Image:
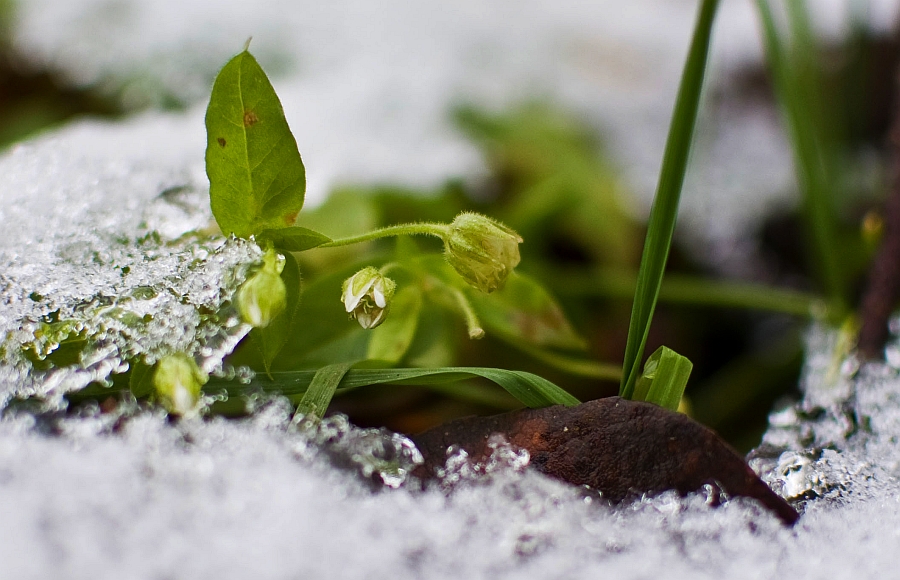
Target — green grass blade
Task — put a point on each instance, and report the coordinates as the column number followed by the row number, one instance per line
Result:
column 798, row 88
column 321, row 389
column 668, row 193
column 531, row 390
column 664, row 378
column 256, row 177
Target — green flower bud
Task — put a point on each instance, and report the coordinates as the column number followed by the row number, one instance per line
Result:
column 367, row 295
column 481, row 250
column 177, row 382
column 263, row 296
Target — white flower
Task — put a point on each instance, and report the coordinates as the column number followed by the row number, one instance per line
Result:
column 367, row 295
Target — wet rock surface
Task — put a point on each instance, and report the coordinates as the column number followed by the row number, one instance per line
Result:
column 623, row 449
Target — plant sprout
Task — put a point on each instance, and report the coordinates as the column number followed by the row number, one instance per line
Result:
column 304, row 343
column 257, row 189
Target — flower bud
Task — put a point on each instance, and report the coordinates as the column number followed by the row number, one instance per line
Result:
column 481, row 250
column 367, row 295
column 263, row 296
column 177, row 382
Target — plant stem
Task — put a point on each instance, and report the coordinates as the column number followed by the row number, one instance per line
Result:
column 473, row 325
column 883, row 287
column 424, row 229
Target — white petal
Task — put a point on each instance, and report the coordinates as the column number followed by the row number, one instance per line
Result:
column 378, row 296
column 351, row 300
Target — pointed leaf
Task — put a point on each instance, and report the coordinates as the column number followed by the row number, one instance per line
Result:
column 256, row 177
column 525, row 311
column 294, row 239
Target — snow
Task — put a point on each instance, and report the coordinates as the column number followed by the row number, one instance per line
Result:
column 143, row 498
column 129, row 494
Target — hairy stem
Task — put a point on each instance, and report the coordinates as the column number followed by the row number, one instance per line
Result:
column 424, row 229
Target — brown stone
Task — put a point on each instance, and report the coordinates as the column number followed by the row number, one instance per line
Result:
column 621, row 448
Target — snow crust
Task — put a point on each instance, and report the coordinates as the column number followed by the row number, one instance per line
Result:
column 128, row 494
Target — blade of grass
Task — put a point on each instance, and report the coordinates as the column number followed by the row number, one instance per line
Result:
column 528, row 388
column 668, row 193
column 798, row 88
column 664, row 379
column 321, row 389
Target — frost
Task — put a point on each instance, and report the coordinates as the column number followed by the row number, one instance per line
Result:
column 101, row 265
column 839, row 443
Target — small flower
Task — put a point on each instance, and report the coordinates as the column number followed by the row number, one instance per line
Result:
column 367, row 295
column 263, row 296
column 481, row 250
column 177, row 382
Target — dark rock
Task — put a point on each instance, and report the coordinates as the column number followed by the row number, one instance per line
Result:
column 621, row 448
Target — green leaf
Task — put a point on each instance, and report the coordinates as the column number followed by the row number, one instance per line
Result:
column 294, row 238
column 140, row 382
column 664, row 379
column 321, row 389
column 530, row 389
column 390, row 341
column 525, row 311
column 256, row 177
column 661, row 225
column 269, row 340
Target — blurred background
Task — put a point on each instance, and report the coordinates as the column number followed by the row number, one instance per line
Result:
column 551, row 117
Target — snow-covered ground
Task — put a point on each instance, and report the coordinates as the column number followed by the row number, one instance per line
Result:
column 366, row 88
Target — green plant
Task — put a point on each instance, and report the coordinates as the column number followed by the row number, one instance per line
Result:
column 257, row 187
column 663, row 214
column 318, row 272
